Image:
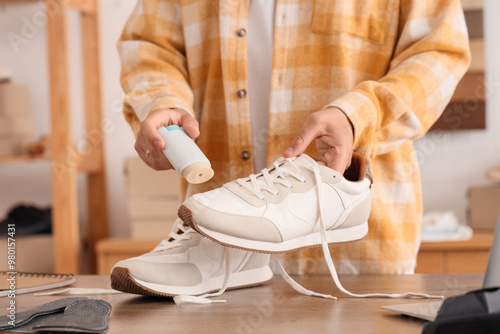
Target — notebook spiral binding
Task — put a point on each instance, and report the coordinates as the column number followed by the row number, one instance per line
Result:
column 36, row 274
column 25, row 282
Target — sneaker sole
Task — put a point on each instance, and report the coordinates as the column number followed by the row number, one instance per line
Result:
column 122, row 280
column 332, row 237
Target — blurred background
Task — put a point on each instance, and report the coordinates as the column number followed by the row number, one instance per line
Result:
column 454, row 158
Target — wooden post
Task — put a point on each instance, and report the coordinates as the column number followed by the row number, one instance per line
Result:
column 96, row 180
column 64, row 188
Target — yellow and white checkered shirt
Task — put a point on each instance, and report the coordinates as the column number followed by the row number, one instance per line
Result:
column 390, row 65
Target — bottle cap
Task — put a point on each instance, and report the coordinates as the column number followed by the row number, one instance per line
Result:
column 198, row 172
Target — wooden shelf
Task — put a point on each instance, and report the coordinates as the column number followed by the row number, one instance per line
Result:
column 472, row 4
column 23, row 158
column 467, row 256
column 84, row 6
column 18, row 1
column 66, row 161
column 467, row 108
column 479, row 242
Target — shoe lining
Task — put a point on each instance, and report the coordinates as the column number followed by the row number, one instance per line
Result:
column 357, row 169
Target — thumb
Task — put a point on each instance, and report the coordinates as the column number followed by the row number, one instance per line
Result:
column 306, row 135
column 190, row 125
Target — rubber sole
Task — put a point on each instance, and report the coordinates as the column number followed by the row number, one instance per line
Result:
column 122, row 280
column 336, row 236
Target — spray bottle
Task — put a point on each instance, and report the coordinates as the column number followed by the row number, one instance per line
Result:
column 185, row 155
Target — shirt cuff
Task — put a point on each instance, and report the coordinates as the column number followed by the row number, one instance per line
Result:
column 171, row 103
column 362, row 113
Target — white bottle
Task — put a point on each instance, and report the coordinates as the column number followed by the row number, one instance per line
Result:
column 185, row 155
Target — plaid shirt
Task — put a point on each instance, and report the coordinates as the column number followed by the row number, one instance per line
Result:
column 390, row 65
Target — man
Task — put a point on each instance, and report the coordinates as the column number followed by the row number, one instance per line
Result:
column 369, row 75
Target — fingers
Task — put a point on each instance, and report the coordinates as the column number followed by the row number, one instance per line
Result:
column 149, row 127
column 141, row 149
column 166, row 117
column 190, row 125
column 309, row 131
column 153, row 157
column 337, row 158
column 149, row 143
column 333, row 133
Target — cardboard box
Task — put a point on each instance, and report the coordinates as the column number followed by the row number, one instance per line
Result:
column 14, row 100
column 4, row 126
column 14, row 146
column 472, row 86
column 152, row 207
column 34, row 253
column 15, row 126
column 153, row 200
column 483, row 207
column 8, row 146
column 472, row 4
column 145, row 181
column 151, row 229
column 110, row 251
column 474, row 20
column 5, row 75
column 477, row 54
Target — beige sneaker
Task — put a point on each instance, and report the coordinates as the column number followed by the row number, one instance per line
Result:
column 296, row 203
column 187, row 263
column 285, row 207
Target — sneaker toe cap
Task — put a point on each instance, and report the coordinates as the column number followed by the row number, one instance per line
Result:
column 170, row 274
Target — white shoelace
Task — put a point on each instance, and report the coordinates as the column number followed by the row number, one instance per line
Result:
column 204, row 299
column 265, row 181
column 279, row 172
column 181, row 232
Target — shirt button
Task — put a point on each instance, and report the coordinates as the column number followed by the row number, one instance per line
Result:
column 245, row 155
column 242, row 32
column 242, row 93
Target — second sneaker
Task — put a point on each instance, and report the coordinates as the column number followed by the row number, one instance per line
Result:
column 292, row 205
column 187, row 263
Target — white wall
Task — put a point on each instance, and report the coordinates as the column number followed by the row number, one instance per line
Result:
column 451, row 162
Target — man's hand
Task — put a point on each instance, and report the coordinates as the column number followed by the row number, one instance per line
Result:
column 149, row 144
column 334, row 139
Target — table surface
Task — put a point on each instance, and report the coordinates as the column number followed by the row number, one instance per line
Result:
column 274, row 307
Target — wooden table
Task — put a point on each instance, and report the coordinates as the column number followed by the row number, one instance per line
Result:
column 275, row 307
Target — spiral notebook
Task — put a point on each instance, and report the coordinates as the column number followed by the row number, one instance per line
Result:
column 26, row 282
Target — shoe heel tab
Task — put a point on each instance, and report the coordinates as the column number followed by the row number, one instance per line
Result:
column 359, row 169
